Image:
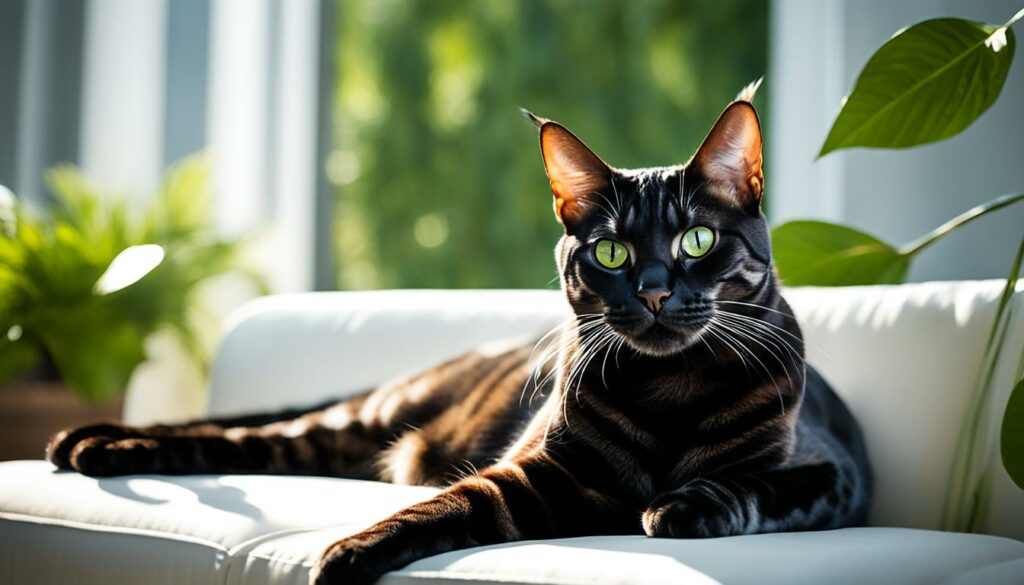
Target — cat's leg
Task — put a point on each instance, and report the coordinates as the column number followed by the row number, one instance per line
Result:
column 529, row 498
column 806, row 497
column 330, row 441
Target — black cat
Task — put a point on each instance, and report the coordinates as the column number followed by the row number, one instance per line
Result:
column 677, row 402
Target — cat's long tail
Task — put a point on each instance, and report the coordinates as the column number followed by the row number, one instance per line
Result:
column 294, row 442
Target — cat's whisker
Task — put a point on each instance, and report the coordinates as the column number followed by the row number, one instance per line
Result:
column 770, row 337
column 713, row 330
column 618, row 198
column 759, row 320
column 583, row 358
column 742, row 334
column 618, row 348
column 550, row 351
column 728, row 332
column 759, row 326
column 612, row 339
column 584, row 340
column 742, row 330
column 757, row 306
column 578, row 356
column 708, row 345
column 690, row 205
column 609, row 211
column 597, row 346
column 536, row 366
column 817, row 348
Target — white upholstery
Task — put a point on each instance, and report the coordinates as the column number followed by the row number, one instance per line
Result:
column 257, row 530
column 905, row 358
column 304, row 348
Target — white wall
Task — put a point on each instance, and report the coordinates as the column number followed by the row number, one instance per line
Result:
column 818, row 48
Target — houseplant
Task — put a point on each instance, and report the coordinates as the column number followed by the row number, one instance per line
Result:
column 928, row 83
column 85, row 280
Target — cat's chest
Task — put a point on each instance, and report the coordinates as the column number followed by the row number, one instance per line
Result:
column 606, row 442
column 649, row 445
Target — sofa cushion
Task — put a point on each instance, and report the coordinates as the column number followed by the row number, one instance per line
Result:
column 58, row 527
column 55, row 524
column 852, row 555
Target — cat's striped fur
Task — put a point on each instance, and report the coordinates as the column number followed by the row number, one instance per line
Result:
column 691, row 416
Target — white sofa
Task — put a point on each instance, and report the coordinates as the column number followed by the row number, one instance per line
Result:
column 905, row 358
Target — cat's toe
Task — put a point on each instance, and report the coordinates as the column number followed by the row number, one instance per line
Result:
column 671, row 520
column 343, row 563
column 692, row 514
column 61, row 445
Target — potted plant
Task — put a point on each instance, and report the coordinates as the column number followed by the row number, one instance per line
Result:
column 84, row 282
column 927, row 83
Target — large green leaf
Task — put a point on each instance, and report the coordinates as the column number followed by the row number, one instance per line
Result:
column 824, row 254
column 927, row 83
column 1012, row 436
column 827, row 254
column 1011, row 444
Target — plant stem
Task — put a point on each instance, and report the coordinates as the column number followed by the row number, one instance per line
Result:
column 965, row 499
column 1014, row 18
column 964, row 218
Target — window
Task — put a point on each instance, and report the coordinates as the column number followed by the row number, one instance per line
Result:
column 438, row 179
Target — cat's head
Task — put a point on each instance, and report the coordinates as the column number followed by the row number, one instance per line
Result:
column 650, row 252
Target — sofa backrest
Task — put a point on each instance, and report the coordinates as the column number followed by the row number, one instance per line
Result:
column 905, row 358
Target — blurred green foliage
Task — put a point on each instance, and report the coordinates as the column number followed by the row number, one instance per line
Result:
column 65, row 301
column 439, row 179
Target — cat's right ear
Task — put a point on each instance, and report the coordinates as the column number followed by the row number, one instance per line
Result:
column 575, row 172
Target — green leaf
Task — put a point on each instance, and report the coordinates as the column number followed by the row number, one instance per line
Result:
column 52, row 257
column 15, row 356
column 1011, row 442
column 927, row 83
column 183, row 206
column 825, row 254
column 819, row 253
column 95, row 350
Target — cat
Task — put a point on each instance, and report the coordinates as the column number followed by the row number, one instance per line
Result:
column 676, row 402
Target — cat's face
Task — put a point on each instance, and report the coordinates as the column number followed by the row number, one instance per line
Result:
column 650, row 252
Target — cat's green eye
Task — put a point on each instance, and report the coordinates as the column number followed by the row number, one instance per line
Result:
column 611, row 254
column 697, row 241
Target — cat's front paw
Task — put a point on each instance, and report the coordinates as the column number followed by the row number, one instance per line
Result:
column 694, row 512
column 347, row 562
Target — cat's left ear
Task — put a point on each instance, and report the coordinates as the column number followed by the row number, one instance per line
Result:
column 576, row 174
column 730, row 159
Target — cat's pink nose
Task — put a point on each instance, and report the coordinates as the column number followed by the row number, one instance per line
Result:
column 654, row 298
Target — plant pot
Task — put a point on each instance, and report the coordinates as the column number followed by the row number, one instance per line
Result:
column 32, row 411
